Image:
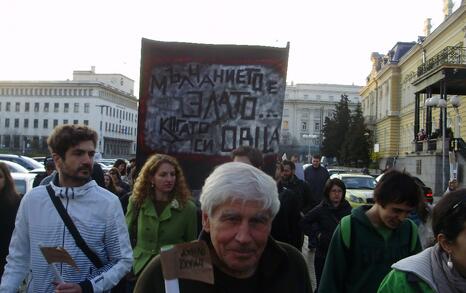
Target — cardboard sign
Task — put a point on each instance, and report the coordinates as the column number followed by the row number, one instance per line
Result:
column 188, row 261
column 199, row 102
column 58, row 255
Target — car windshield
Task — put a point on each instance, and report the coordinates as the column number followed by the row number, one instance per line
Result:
column 359, row 182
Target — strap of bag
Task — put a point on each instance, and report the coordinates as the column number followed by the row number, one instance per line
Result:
column 345, row 228
column 80, row 242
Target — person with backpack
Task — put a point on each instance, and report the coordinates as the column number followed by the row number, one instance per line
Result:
column 442, row 267
column 367, row 242
column 324, row 218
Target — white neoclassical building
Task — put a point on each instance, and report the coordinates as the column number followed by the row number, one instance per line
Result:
column 305, row 108
column 29, row 110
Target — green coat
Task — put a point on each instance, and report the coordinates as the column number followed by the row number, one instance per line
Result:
column 176, row 224
column 397, row 282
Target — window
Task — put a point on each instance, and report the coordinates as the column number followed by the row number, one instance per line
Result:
column 285, row 112
column 0, row 106
column 36, row 123
column 303, row 125
column 86, row 122
column 55, row 122
column 66, row 108
column 26, row 107
column 86, row 107
column 17, row 105
column 8, row 106
column 56, row 107
column 65, row 121
column 26, row 123
column 7, row 122
column 317, row 126
column 76, row 108
column 46, row 107
column 16, row 122
column 45, row 124
column 36, row 107
column 75, row 122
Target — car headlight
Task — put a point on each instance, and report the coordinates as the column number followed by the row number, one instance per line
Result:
column 356, row 199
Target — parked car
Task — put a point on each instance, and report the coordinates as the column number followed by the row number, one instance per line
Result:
column 359, row 188
column 14, row 167
column 40, row 159
column 427, row 191
column 23, row 182
column 24, row 161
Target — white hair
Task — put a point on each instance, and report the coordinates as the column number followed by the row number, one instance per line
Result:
column 239, row 181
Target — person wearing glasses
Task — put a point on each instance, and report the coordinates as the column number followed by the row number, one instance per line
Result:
column 160, row 210
column 442, row 267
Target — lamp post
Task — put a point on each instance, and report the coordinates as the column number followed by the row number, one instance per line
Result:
column 442, row 104
column 309, row 136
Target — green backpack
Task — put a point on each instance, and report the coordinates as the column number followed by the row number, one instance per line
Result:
column 345, row 229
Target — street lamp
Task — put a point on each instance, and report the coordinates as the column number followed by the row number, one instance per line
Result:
column 309, row 136
column 442, row 104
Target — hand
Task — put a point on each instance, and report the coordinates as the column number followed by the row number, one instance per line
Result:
column 68, row 288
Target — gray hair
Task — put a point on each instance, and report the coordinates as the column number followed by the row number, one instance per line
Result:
column 239, row 181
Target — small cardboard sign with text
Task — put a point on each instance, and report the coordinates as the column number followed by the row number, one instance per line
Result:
column 58, row 255
column 188, row 261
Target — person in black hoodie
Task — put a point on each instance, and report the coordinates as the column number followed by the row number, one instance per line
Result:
column 324, row 218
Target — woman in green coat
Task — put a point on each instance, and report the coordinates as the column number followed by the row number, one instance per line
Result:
column 160, row 210
column 441, row 268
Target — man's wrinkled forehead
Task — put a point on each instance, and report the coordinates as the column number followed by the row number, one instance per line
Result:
column 234, row 206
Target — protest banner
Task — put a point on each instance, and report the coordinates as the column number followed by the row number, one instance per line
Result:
column 199, row 102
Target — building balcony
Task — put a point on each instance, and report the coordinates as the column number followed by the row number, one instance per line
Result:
column 448, row 56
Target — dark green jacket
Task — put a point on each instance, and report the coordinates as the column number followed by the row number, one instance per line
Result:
column 282, row 268
column 362, row 266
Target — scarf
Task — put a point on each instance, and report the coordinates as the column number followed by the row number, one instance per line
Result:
column 447, row 280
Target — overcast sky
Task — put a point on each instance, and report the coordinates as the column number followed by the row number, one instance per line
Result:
column 330, row 41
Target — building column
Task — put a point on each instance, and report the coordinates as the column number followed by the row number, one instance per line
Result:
column 416, row 115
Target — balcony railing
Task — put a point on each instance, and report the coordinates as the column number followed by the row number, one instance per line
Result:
column 449, row 55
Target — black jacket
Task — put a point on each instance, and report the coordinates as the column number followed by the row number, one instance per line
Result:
column 322, row 221
column 302, row 190
column 285, row 225
column 316, row 178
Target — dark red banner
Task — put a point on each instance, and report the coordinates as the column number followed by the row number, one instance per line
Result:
column 199, row 102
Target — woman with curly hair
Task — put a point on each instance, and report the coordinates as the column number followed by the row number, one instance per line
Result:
column 9, row 203
column 160, row 210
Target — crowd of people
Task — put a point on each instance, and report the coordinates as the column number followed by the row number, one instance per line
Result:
column 114, row 224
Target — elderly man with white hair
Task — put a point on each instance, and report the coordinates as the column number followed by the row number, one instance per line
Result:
column 238, row 203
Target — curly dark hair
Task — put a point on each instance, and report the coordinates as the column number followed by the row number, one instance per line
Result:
column 66, row 136
column 143, row 185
